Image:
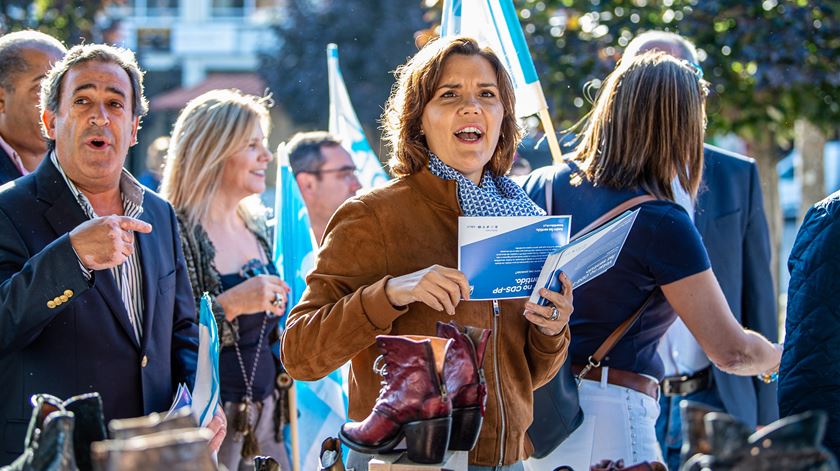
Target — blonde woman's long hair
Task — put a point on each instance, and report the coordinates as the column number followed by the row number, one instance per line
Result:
column 646, row 127
column 210, row 129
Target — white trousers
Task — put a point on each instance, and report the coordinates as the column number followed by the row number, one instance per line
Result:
column 618, row 423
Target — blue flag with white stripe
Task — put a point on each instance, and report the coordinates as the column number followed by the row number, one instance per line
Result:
column 205, row 393
column 321, row 405
column 494, row 23
column 345, row 125
column 294, row 247
column 450, row 21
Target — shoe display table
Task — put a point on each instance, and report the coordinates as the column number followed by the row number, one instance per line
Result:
column 452, row 461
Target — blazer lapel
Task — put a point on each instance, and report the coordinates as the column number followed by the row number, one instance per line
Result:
column 8, row 170
column 107, row 287
column 63, row 216
column 149, row 268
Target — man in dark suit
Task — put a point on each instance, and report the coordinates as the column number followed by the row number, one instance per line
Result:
column 94, row 294
column 25, row 58
column 729, row 214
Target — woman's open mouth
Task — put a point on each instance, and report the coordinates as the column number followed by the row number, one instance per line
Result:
column 469, row 134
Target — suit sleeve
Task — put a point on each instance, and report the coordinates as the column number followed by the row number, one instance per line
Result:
column 28, row 282
column 759, row 311
column 344, row 306
column 184, row 327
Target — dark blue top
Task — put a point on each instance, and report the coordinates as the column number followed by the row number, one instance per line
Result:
column 809, row 376
column 230, row 373
column 662, row 247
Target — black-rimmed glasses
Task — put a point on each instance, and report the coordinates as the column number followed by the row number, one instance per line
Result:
column 345, row 173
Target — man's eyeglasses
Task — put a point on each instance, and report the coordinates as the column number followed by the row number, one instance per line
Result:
column 344, row 173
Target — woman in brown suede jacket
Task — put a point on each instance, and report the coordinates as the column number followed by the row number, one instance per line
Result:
column 385, row 265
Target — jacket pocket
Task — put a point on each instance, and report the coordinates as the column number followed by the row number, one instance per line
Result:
column 727, row 217
column 166, row 282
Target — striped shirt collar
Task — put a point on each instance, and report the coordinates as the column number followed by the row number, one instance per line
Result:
column 131, row 192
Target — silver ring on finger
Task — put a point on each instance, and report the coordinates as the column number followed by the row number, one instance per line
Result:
column 278, row 300
column 554, row 315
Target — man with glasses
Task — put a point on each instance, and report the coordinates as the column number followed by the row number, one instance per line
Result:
column 325, row 173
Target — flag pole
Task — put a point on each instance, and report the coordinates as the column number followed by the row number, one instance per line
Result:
column 293, row 428
column 553, row 144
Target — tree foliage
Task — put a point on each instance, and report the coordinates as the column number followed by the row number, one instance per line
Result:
column 373, row 38
column 71, row 21
column 769, row 62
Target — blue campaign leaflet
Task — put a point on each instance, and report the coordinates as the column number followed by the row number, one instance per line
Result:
column 502, row 256
column 586, row 257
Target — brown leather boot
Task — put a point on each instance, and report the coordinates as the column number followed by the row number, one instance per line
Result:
column 412, row 402
column 464, row 379
column 695, row 438
column 330, row 457
column 178, row 449
column 49, row 440
column 89, row 426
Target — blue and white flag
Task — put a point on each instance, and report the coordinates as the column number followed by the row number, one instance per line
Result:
column 294, row 246
column 322, row 404
column 450, row 21
column 205, row 393
column 494, row 23
column 345, row 125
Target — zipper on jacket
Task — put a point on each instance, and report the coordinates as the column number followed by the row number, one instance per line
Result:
column 496, row 311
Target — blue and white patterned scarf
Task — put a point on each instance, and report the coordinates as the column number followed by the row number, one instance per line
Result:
column 496, row 196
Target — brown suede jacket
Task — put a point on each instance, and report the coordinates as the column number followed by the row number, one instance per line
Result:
column 406, row 226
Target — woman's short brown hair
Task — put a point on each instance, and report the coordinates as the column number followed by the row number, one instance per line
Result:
column 415, row 87
column 646, row 127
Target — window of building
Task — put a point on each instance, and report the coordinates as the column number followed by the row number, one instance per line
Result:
column 153, row 40
column 228, row 7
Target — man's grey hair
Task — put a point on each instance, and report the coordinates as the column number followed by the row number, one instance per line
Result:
column 13, row 45
column 51, row 85
column 642, row 43
column 304, row 150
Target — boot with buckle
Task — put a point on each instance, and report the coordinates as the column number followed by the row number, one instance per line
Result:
column 464, row 378
column 48, row 445
column 413, row 402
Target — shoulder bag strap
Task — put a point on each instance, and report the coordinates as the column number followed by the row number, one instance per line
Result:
column 609, row 215
column 594, row 360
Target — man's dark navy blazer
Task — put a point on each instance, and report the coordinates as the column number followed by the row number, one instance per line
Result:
column 8, row 171
column 729, row 214
column 85, row 344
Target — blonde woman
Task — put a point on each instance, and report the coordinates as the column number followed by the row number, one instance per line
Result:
column 215, row 167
